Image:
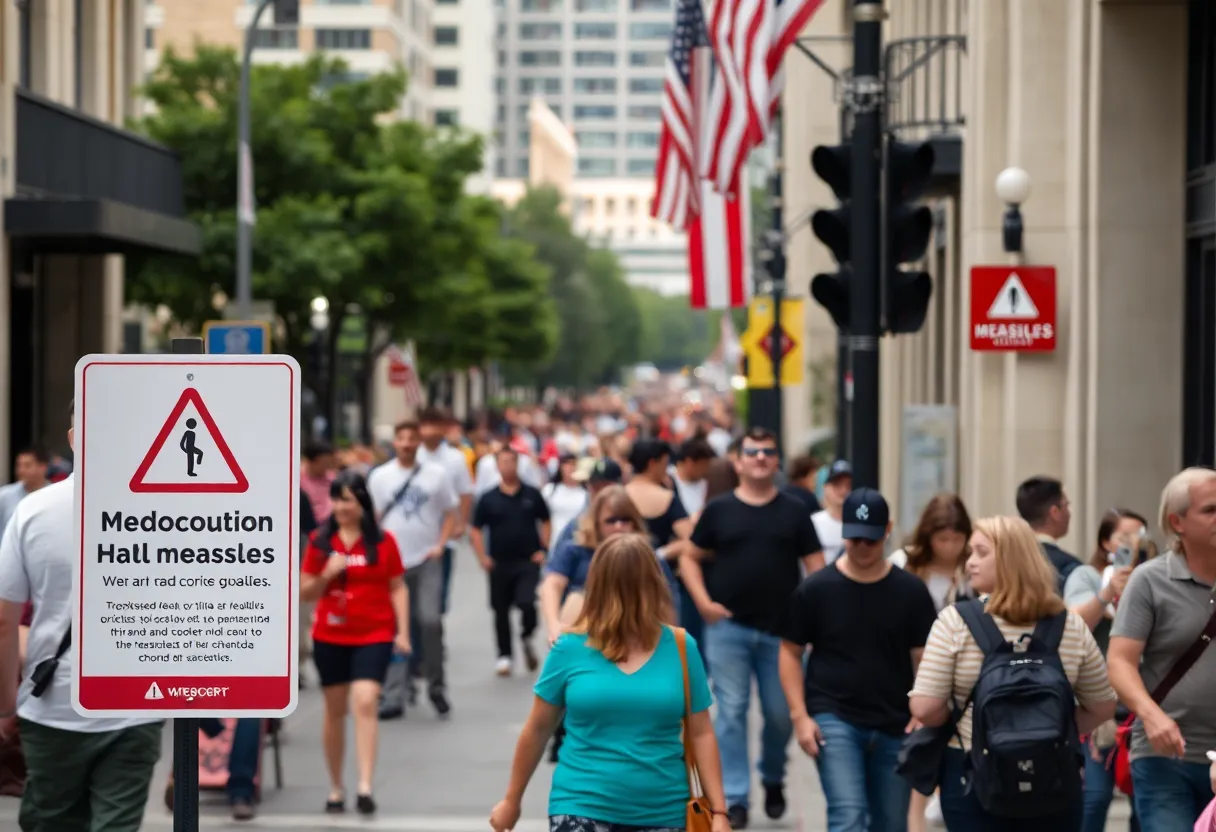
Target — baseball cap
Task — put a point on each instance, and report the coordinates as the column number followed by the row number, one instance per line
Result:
column 865, row 515
column 606, row 470
column 840, row 468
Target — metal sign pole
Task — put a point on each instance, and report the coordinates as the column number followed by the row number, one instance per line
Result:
column 185, row 731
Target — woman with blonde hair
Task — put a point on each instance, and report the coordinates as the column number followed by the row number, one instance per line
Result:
column 1018, row 590
column 619, row 675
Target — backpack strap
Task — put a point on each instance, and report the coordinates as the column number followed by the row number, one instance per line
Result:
column 983, row 629
column 1050, row 631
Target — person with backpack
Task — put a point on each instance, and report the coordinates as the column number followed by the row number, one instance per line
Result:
column 1042, row 503
column 1023, row 678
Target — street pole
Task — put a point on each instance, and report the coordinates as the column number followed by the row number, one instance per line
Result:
column 864, row 98
column 776, row 271
column 843, row 392
column 185, row 731
column 244, row 176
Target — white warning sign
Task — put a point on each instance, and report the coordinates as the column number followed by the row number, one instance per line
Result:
column 154, row 692
column 1013, row 302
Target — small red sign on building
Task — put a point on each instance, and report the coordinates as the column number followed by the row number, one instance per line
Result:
column 1013, row 308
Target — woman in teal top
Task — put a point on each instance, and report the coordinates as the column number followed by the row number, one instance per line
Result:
column 618, row 677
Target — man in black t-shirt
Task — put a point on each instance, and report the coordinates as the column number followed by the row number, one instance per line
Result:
column 866, row 622
column 759, row 540
column 517, row 519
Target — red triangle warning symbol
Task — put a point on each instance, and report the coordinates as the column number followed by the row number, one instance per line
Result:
column 189, row 466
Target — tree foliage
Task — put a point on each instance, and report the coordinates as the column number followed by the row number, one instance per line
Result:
column 354, row 205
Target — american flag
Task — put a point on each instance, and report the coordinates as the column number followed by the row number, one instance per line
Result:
column 403, row 361
column 717, row 225
column 750, row 39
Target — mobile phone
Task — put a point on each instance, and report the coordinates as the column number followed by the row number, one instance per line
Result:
column 1122, row 557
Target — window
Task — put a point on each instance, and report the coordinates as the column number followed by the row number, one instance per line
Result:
column 447, row 77
column 598, row 139
column 641, row 167
column 595, row 85
column 276, row 39
column 591, row 112
column 595, row 5
column 447, row 36
column 642, row 140
column 647, row 58
column 540, row 31
column 500, row 167
column 597, row 167
column 645, row 84
column 523, row 138
column 595, row 59
column 650, row 5
column 521, row 165
column 594, row 31
column 650, row 31
column 344, row 38
column 645, row 112
column 502, row 57
column 447, row 118
column 531, row 86
column 500, row 85
column 446, row 2
column 540, row 5
column 531, row 58
column 149, row 38
column 24, row 50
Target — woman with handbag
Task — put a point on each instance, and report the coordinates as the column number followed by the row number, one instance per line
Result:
column 629, row 685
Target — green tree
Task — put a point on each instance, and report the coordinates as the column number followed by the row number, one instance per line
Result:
column 355, row 206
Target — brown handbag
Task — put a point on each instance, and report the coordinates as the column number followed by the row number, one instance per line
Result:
column 699, row 817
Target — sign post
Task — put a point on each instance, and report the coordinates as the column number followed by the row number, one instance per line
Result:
column 187, row 506
column 1013, row 308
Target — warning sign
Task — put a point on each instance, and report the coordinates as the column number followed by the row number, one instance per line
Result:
column 187, row 511
column 1013, row 308
column 197, row 461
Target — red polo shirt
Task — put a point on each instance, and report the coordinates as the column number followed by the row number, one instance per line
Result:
column 355, row 608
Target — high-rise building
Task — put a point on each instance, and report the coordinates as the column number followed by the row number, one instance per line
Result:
column 462, row 93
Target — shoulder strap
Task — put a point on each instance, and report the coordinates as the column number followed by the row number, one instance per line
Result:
column 1050, row 631
column 64, row 643
column 983, row 629
column 690, row 756
column 1186, row 661
column 400, row 495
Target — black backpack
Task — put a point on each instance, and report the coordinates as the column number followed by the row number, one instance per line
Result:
column 1026, row 756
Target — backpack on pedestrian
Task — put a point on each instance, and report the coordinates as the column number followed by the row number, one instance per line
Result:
column 1026, row 756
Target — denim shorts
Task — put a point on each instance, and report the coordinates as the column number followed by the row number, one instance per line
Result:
column 571, row 823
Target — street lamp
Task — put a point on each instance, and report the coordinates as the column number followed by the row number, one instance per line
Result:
column 1013, row 188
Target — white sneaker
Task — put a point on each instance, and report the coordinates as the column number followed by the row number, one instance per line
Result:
column 503, row 666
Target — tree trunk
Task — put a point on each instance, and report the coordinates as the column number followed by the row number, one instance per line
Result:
column 329, row 400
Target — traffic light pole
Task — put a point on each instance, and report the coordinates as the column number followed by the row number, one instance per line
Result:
column 776, row 271
column 864, row 98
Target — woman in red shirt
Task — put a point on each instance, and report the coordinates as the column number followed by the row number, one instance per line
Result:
column 353, row 570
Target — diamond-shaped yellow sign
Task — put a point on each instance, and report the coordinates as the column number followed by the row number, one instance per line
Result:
column 757, row 339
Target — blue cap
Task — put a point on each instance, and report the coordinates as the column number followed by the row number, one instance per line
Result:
column 865, row 515
column 840, row 468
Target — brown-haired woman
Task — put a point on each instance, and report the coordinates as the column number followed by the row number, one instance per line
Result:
column 619, row 678
column 937, row 550
column 1018, row 585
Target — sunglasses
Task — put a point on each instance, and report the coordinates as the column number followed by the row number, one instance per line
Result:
column 759, row 451
column 617, row 521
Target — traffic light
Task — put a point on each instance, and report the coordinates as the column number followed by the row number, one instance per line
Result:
column 832, row 164
column 908, row 229
column 286, row 12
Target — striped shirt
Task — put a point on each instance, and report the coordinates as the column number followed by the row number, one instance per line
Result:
column 951, row 663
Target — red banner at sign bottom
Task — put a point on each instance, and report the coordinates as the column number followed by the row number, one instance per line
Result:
column 175, row 693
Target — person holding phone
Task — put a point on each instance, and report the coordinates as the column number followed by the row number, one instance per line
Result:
column 353, row 570
column 1092, row 592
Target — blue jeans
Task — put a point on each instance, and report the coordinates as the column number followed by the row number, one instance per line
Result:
column 1099, row 789
column 243, row 757
column 963, row 812
column 857, row 770
column 415, row 633
column 690, row 616
column 1170, row 794
column 736, row 654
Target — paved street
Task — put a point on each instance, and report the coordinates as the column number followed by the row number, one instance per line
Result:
column 435, row 776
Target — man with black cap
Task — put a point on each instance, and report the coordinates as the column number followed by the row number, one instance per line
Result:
column 865, row 622
column 828, row 520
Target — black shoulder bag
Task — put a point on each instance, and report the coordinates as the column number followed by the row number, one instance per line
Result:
column 44, row 673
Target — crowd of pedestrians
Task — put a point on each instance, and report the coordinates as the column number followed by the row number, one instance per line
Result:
column 976, row 677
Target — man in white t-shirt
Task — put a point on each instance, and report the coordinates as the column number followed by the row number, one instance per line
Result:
column 84, row 773
column 433, row 426
column 688, row 473
column 827, row 521
column 417, row 502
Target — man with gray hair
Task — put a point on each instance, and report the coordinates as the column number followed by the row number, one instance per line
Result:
column 1159, row 663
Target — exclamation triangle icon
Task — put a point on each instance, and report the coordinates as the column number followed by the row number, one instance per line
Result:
column 154, row 692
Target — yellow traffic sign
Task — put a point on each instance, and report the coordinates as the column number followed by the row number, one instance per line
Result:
column 756, row 342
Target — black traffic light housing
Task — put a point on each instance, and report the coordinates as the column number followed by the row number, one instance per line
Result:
column 286, row 12
column 833, row 164
column 908, row 229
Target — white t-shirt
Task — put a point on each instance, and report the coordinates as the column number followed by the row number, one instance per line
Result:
column 719, row 439
column 565, row 502
column 415, row 520
column 830, row 532
column 36, row 564
column 692, row 494
column 488, row 478
column 453, row 462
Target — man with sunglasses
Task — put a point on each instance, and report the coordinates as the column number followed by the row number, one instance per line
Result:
column 759, row 540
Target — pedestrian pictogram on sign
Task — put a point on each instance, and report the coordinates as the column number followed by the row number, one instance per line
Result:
column 1013, row 302
column 1013, row 308
column 154, row 692
column 189, row 465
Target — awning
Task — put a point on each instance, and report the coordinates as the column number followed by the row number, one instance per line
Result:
column 66, row 225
